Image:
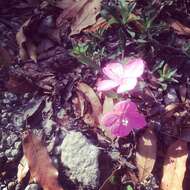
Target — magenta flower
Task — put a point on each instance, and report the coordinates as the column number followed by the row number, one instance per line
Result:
column 123, row 119
column 123, row 76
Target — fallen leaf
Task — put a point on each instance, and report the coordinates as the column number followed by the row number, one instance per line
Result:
column 89, row 119
column 23, row 169
column 175, row 166
column 107, row 107
column 26, row 48
column 81, row 102
column 171, row 109
column 179, row 28
column 18, row 85
column 108, row 104
column 93, row 99
column 41, row 167
column 101, row 24
column 83, row 12
column 146, row 154
column 70, row 7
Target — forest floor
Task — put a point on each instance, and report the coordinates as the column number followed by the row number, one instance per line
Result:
column 94, row 95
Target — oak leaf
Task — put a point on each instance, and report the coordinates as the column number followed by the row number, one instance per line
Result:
column 23, row 169
column 146, row 154
column 26, row 48
column 175, row 166
column 41, row 167
column 93, row 99
column 82, row 12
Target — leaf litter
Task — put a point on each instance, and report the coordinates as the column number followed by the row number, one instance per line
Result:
column 40, row 164
column 111, row 31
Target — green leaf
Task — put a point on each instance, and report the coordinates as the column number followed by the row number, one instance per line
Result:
column 129, row 187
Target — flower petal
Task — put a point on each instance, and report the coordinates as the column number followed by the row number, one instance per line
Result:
column 114, row 71
column 134, row 68
column 137, row 121
column 127, row 85
column 106, row 85
column 121, row 107
column 121, row 131
column 110, row 119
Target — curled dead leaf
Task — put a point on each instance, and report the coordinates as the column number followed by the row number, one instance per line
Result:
column 175, row 166
column 100, row 24
column 41, row 167
column 107, row 107
column 179, row 28
column 171, row 109
column 93, row 99
column 146, row 154
column 23, row 169
column 26, row 48
column 82, row 12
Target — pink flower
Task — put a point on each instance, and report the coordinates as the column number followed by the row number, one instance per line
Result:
column 123, row 76
column 123, row 119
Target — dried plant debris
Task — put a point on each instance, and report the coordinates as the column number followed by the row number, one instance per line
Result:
column 53, row 56
column 26, row 48
column 175, row 166
column 146, row 154
column 82, row 12
column 40, row 164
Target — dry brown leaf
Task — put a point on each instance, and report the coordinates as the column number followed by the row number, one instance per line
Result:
column 179, row 28
column 23, row 169
column 40, row 164
column 26, row 48
column 86, row 17
column 107, row 107
column 175, row 166
column 108, row 104
column 71, row 8
column 171, row 109
column 101, row 23
column 89, row 119
column 81, row 101
column 146, row 154
column 91, row 96
column 83, row 12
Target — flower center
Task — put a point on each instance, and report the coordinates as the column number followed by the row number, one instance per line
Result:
column 125, row 122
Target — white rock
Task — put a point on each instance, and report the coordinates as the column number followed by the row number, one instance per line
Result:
column 81, row 157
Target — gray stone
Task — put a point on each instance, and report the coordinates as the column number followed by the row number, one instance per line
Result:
column 81, row 157
column 8, row 153
column 10, row 96
column 32, row 187
column 48, row 126
column 11, row 139
column 4, row 121
column 61, row 113
column 57, row 150
column 18, row 120
column 51, row 145
column 171, row 97
column 17, row 145
column 11, row 185
column 14, row 152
